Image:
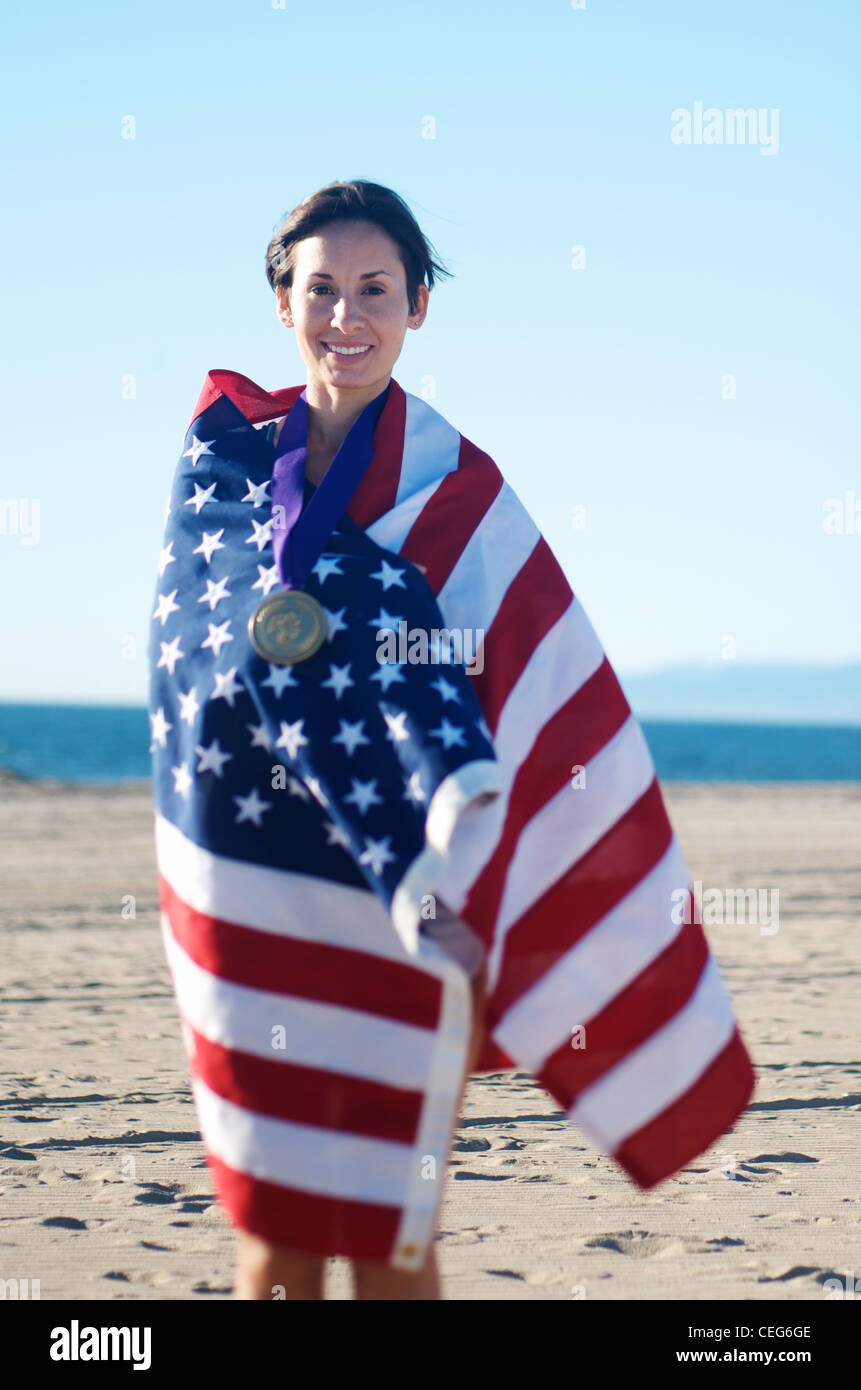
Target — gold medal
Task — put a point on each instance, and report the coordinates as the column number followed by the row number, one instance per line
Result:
column 287, row 627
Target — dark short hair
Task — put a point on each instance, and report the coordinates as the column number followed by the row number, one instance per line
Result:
column 354, row 201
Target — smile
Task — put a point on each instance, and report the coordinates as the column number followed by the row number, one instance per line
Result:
column 361, row 351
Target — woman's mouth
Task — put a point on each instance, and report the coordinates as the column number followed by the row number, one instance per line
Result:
column 348, row 352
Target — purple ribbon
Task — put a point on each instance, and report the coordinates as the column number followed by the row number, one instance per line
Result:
column 298, row 537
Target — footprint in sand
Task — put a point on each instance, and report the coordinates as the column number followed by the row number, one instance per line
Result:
column 158, row 1193
column 483, row 1177
column 639, row 1245
column 783, row 1276
column 784, row 1158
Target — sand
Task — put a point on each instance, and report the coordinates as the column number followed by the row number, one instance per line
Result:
column 104, row 1192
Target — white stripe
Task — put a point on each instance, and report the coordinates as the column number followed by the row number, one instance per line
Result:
column 275, row 900
column 325, row 1161
column 439, row 1113
column 431, row 448
column 392, row 528
column 492, row 558
column 562, row 662
column 597, row 968
column 571, row 823
column 261, row 424
column 566, row 657
column 664, row 1068
column 330, row 1036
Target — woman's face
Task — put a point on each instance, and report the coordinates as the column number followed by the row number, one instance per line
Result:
column 350, row 291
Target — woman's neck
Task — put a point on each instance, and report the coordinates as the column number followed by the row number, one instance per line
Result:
column 329, row 423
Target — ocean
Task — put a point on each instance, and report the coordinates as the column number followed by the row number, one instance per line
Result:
column 106, row 743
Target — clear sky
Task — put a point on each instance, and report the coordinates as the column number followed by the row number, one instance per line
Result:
column 601, row 385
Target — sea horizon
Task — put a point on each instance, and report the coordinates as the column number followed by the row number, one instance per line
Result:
column 85, row 742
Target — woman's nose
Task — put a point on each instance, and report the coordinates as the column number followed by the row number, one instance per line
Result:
column 345, row 311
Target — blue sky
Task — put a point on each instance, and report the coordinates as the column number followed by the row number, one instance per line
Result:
column 601, row 387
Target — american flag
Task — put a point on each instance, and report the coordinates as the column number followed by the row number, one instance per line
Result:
column 303, row 815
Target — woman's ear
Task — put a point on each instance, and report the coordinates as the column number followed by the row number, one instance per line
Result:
column 283, row 308
column 417, row 317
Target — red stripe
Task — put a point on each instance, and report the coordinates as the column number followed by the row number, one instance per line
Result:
column 582, row 897
column 378, row 489
column 305, row 969
column 693, row 1122
column 305, row 1220
column 643, row 1007
column 442, row 530
column 572, row 736
column 249, row 398
column 536, row 599
column 285, row 1090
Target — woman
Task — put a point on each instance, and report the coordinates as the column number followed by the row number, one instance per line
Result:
column 412, row 893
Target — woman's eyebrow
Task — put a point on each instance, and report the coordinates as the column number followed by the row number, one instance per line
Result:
column 368, row 275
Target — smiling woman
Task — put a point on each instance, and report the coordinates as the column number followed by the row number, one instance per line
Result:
column 375, row 878
column 348, row 267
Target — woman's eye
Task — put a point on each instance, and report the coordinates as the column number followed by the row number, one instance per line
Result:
column 377, row 288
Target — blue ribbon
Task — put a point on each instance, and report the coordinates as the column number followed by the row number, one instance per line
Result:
column 298, row 536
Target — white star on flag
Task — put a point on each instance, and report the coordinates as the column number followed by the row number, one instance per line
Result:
column 339, row 679
column 218, row 635
column 389, row 672
column 227, row 687
column 188, row 705
column 336, row 835
column 280, row 678
column 212, row 759
column 209, row 544
column 364, row 794
column 198, row 447
column 256, row 493
column 297, row 788
column 377, row 853
column 214, row 593
column 325, row 566
column 251, row 807
column 166, row 606
column 170, row 654
column 388, row 576
column 160, row 727
column 335, row 622
column 260, row 736
column 165, row 557
column 446, row 690
column 451, row 734
column 351, row 735
column 291, row 737
column 181, row 780
column 397, row 733
column 266, row 578
column 262, row 533
column 202, row 495
column 385, row 622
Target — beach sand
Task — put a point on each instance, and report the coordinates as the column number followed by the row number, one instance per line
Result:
column 104, row 1192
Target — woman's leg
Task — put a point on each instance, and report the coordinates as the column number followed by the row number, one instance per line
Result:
column 381, row 1281
column 275, row 1271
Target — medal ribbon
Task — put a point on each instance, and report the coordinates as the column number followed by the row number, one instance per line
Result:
column 298, row 537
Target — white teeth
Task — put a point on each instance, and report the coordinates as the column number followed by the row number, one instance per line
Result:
column 346, row 352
